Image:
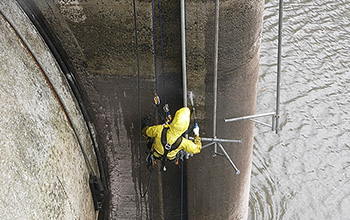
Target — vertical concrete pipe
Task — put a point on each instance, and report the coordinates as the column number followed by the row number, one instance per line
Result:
column 46, row 153
column 214, row 189
column 98, row 39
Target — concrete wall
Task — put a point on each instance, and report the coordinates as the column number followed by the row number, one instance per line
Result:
column 97, row 37
column 214, row 190
column 44, row 174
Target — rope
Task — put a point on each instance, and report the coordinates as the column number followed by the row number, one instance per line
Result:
column 165, row 96
column 182, row 188
column 161, row 47
column 184, row 84
column 154, row 49
column 138, row 93
column 140, row 119
column 151, row 198
column 157, row 110
column 162, row 54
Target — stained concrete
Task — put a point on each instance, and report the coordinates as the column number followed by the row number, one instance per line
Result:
column 97, row 38
column 43, row 136
column 214, row 190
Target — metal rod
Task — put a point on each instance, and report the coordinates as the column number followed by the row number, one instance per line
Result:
column 250, row 117
column 217, row 140
column 190, row 95
column 260, row 122
column 208, row 145
column 216, row 55
column 279, row 64
column 183, row 49
column 184, row 78
column 229, row 159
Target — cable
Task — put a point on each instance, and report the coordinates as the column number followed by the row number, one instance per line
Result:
column 184, row 82
column 157, row 110
column 165, row 98
column 138, row 97
column 161, row 47
column 182, row 188
column 151, row 198
column 149, row 185
column 154, row 49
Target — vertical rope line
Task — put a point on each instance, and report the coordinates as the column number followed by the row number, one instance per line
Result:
column 151, row 199
column 139, row 98
column 184, row 85
column 149, row 184
column 154, row 49
column 182, row 189
column 161, row 47
column 156, row 82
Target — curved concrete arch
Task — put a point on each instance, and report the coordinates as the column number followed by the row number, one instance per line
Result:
column 46, row 151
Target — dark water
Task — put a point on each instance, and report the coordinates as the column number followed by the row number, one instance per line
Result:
column 304, row 173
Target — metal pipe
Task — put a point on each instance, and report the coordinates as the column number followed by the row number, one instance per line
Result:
column 260, row 122
column 184, row 81
column 216, row 55
column 273, row 118
column 183, row 49
column 208, row 145
column 279, row 64
column 250, row 117
column 193, row 108
column 217, row 140
column 229, row 159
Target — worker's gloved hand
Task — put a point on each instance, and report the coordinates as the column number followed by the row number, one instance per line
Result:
column 188, row 155
column 196, row 129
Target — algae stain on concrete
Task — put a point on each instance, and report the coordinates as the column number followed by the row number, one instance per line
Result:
column 119, row 154
column 72, row 10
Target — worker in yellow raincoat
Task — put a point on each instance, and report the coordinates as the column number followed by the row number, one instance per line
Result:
column 168, row 140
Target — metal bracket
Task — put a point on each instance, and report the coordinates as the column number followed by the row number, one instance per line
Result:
column 217, row 142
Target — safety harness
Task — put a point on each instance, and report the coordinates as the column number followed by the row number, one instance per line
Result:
column 167, row 148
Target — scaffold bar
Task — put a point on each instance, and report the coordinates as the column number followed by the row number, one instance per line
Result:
column 229, row 158
column 217, row 140
column 250, row 117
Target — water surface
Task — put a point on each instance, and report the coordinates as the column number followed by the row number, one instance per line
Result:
column 304, row 173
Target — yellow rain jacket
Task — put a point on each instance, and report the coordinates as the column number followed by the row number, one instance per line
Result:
column 177, row 127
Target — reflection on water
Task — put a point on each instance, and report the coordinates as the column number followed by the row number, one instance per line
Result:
column 304, row 173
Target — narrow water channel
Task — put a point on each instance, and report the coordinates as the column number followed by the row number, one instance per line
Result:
column 304, row 173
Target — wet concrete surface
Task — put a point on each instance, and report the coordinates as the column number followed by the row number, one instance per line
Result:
column 46, row 154
column 214, row 190
column 118, row 120
column 97, row 40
